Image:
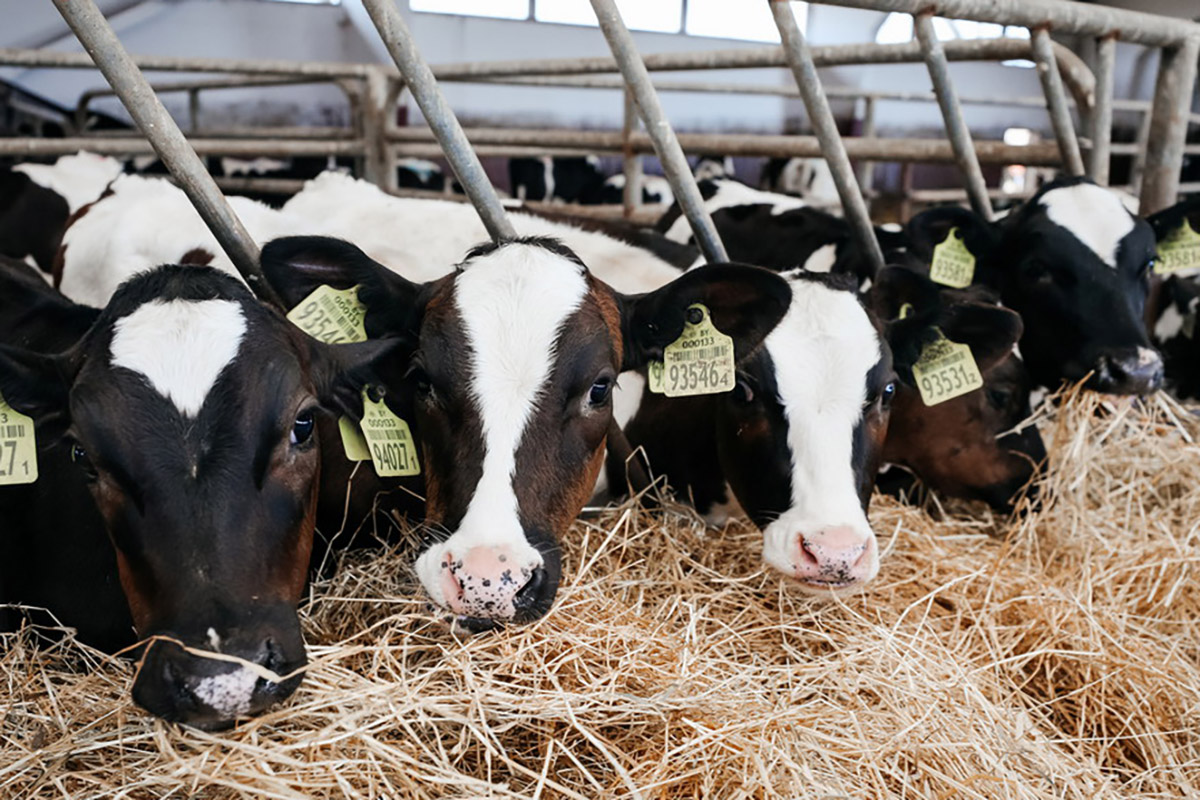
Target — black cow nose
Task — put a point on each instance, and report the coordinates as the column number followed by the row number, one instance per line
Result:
column 1132, row 370
column 532, row 592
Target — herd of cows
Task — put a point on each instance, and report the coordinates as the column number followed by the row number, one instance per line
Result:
column 195, row 448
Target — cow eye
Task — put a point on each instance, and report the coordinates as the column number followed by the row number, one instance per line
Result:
column 999, row 397
column 742, row 392
column 302, row 428
column 1147, row 268
column 887, row 394
column 601, row 390
column 80, row 457
column 420, row 380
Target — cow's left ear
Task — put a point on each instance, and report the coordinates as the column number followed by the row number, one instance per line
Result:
column 990, row 331
column 1168, row 220
column 39, row 386
column 745, row 303
column 340, row 371
column 930, row 228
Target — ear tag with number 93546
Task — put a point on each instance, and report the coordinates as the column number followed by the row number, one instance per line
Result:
column 333, row 316
column 945, row 370
column 18, row 447
column 1178, row 252
column 953, row 264
column 700, row 361
column 389, row 440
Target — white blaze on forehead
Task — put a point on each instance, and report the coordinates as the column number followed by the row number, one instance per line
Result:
column 513, row 304
column 180, row 346
column 229, row 693
column 1096, row 217
column 822, row 351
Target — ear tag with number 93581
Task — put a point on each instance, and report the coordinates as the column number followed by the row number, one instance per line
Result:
column 945, row 370
column 389, row 440
column 333, row 316
column 700, row 361
column 953, row 264
column 18, row 447
column 1178, row 252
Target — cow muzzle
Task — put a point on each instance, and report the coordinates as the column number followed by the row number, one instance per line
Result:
column 484, row 586
column 834, row 557
column 1128, row 370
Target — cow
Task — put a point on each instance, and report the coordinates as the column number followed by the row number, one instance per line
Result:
column 1175, row 298
column 36, row 201
column 517, row 353
column 655, row 190
column 567, row 179
column 420, row 173
column 1075, row 264
column 186, row 410
column 807, row 178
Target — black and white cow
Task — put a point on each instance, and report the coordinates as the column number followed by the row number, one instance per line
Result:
column 1075, row 264
column 1174, row 302
column 186, row 410
column 806, row 178
column 655, row 190
column 569, row 179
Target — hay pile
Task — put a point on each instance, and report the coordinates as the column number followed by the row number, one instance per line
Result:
column 1057, row 656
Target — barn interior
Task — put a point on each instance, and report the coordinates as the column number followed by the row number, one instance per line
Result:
column 1049, row 648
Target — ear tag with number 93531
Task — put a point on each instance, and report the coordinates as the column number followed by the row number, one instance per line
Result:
column 333, row 316
column 18, row 447
column 945, row 370
column 700, row 361
column 389, row 441
column 1179, row 251
column 953, row 264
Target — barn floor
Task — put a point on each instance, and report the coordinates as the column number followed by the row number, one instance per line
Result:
column 1057, row 656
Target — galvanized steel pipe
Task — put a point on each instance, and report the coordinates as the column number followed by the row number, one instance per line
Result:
column 1056, row 101
column 825, row 127
column 1168, row 125
column 670, row 154
column 1102, row 115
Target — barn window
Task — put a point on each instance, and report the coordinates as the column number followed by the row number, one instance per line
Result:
column 897, row 28
column 504, row 9
column 663, row 16
column 751, row 22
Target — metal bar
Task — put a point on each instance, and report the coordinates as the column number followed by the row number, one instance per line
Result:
column 1056, row 101
column 420, row 81
column 1064, row 17
column 249, row 148
column 284, row 132
column 98, row 38
column 1139, row 155
column 193, row 113
column 1102, row 115
column 956, row 126
column 670, row 154
column 866, row 169
column 1168, row 125
column 825, row 127
column 16, row 57
column 631, row 162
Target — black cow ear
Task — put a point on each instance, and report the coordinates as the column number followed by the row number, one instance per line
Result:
column 340, row 371
column 990, row 331
column 895, row 288
column 930, row 228
column 295, row 266
column 745, row 303
column 1168, row 220
column 38, row 386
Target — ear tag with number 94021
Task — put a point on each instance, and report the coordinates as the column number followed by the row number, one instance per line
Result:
column 700, row 361
column 18, row 447
column 945, row 370
column 1178, row 252
column 953, row 264
column 333, row 316
column 389, row 441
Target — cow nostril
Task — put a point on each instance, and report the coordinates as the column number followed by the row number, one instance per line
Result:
column 531, row 591
column 807, row 554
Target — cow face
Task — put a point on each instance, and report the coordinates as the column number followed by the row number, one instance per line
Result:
column 514, row 359
column 967, row 446
column 189, row 409
column 801, row 435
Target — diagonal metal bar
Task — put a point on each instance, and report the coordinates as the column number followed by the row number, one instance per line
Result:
column 670, row 154
column 956, row 126
column 1056, row 100
column 1102, row 115
column 419, row 80
column 130, row 85
column 825, row 127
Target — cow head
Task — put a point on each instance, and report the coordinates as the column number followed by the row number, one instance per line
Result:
column 967, row 446
column 801, row 435
column 188, row 408
column 1075, row 264
column 515, row 355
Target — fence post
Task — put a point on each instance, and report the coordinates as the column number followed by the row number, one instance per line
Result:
column 1168, row 125
column 631, row 162
column 1102, row 116
column 1056, row 100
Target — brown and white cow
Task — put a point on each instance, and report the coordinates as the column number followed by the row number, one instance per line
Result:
column 186, row 410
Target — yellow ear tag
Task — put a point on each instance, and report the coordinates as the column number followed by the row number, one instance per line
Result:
column 1179, row 251
column 905, row 310
column 945, row 370
column 699, row 362
column 392, row 448
column 18, row 448
column 953, row 264
column 333, row 316
column 353, row 443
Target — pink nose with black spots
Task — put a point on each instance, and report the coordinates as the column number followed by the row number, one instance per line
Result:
column 489, row 583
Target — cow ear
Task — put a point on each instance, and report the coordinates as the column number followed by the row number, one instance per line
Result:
column 295, row 266
column 896, row 288
column 928, row 229
column 745, row 303
column 1168, row 220
column 340, row 371
column 38, row 386
column 990, row 331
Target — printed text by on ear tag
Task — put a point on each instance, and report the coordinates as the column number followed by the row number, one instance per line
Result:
column 393, row 450
column 700, row 361
column 952, row 265
column 333, row 316
column 654, row 377
column 18, row 447
column 1179, row 252
column 945, row 370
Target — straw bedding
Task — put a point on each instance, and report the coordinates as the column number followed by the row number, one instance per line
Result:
column 1053, row 655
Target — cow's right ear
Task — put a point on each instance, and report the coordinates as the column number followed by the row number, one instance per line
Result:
column 930, row 228
column 295, row 266
column 745, row 303
column 1168, row 220
column 38, row 386
column 990, row 331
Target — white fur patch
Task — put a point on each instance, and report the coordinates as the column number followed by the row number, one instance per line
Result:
column 1095, row 216
column 180, row 346
column 822, row 351
column 229, row 694
column 822, row 259
column 731, row 193
column 78, row 179
column 1169, row 324
column 513, row 304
